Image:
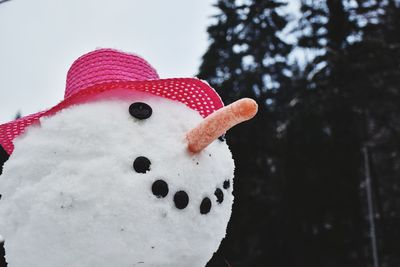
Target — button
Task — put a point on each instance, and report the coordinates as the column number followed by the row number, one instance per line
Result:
column 140, row 110
column 227, row 184
column 205, row 206
column 160, row 188
column 181, row 200
column 141, row 165
column 220, row 195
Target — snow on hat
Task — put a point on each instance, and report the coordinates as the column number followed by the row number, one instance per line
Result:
column 105, row 70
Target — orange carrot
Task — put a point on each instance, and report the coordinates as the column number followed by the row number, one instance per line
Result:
column 219, row 122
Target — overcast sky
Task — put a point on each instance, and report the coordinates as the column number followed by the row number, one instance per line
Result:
column 40, row 39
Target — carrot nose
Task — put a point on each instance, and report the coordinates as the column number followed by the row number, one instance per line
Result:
column 219, row 122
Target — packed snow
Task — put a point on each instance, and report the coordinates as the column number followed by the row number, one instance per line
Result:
column 71, row 196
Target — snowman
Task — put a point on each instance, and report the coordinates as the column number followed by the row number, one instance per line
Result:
column 128, row 170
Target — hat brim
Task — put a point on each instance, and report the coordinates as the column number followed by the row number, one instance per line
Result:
column 194, row 93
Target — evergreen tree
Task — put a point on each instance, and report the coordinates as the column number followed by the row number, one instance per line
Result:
column 378, row 70
column 348, row 92
column 321, row 148
column 247, row 58
column 301, row 167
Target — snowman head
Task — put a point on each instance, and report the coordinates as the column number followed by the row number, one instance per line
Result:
column 127, row 170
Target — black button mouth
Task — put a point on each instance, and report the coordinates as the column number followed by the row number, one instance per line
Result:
column 227, row 184
column 160, row 189
column 205, row 206
column 220, row 195
column 181, row 199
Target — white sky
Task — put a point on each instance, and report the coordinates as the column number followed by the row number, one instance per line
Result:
column 39, row 39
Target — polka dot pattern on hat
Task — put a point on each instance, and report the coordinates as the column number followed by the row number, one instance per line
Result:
column 193, row 92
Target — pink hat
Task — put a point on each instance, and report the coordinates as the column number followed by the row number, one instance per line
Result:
column 105, row 70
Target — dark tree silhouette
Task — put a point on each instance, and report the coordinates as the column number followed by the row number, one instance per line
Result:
column 247, row 58
column 300, row 179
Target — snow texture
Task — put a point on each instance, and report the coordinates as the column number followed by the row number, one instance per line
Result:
column 72, row 198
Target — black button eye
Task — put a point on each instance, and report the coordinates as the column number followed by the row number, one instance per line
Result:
column 227, row 184
column 181, row 200
column 205, row 206
column 220, row 195
column 141, row 164
column 140, row 110
column 160, row 189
